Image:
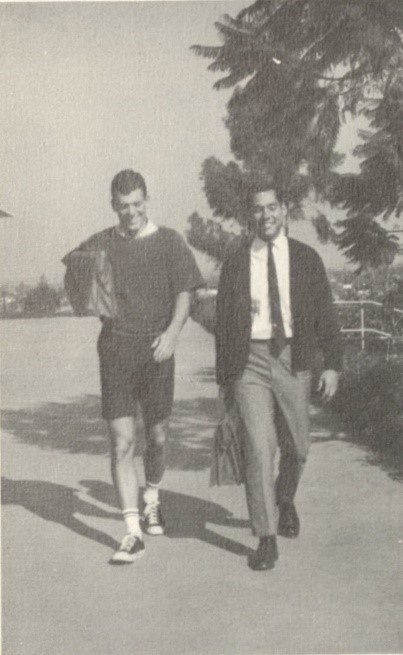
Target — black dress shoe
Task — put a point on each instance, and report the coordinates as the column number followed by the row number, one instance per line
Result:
column 265, row 556
column 288, row 524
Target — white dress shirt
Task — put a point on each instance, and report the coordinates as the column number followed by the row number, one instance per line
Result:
column 259, row 286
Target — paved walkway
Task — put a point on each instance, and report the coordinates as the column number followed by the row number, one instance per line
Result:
column 335, row 589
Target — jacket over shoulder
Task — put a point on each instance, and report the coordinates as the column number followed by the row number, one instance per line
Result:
column 88, row 280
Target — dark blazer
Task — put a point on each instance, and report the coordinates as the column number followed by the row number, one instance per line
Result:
column 312, row 310
column 88, row 282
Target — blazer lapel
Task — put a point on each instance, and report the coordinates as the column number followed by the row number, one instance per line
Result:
column 295, row 276
column 242, row 287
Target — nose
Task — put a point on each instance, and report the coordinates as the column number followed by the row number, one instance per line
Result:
column 132, row 210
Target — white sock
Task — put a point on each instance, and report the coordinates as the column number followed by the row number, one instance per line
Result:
column 132, row 521
column 151, row 494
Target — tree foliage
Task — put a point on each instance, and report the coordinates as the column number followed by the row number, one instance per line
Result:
column 42, row 300
column 222, row 186
column 208, row 236
column 297, row 67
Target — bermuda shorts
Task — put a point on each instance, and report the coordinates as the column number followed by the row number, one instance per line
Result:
column 130, row 377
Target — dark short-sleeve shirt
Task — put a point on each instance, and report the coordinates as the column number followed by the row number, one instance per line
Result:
column 148, row 275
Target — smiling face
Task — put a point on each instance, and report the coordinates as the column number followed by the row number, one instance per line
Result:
column 267, row 215
column 131, row 210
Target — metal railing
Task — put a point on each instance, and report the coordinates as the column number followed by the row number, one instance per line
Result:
column 362, row 330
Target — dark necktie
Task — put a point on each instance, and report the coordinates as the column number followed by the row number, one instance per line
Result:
column 278, row 333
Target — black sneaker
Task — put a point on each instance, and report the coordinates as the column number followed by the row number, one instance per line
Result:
column 288, row 523
column 153, row 521
column 131, row 548
column 265, row 556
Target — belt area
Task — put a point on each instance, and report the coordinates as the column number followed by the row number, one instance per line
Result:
column 269, row 341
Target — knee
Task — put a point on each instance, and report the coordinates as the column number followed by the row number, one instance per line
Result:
column 158, row 435
column 121, row 444
column 262, row 452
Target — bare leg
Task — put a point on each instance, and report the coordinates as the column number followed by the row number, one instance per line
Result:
column 122, row 432
column 154, row 464
column 154, row 461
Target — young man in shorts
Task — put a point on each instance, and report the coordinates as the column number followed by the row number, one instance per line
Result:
column 154, row 274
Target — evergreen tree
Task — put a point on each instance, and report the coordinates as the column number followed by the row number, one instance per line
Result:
column 42, row 300
column 296, row 68
column 208, row 236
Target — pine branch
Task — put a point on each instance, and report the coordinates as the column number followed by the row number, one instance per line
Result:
column 230, row 80
column 285, row 5
column 313, row 45
column 228, row 31
column 358, row 72
column 207, row 51
column 235, row 25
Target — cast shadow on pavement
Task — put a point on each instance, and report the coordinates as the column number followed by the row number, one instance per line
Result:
column 76, row 427
column 58, row 504
column 186, row 516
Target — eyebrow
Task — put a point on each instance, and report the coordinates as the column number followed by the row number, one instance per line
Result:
column 135, row 202
column 270, row 204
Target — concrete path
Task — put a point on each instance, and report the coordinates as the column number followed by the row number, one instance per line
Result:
column 335, row 589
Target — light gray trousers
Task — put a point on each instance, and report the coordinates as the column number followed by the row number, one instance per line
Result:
column 273, row 405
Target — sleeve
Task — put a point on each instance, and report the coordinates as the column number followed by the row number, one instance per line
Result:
column 184, row 272
column 326, row 323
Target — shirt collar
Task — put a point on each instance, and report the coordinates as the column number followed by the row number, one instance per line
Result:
column 149, row 228
column 279, row 242
column 146, row 230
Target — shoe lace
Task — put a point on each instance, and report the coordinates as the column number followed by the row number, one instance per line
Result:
column 128, row 542
column 152, row 513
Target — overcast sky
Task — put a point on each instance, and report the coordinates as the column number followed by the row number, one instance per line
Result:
column 89, row 89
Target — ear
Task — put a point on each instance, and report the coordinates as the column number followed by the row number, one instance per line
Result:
column 114, row 204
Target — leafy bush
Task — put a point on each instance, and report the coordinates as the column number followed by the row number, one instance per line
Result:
column 370, row 402
column 43, row 300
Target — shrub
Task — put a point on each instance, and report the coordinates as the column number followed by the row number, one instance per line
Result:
column 370, row 402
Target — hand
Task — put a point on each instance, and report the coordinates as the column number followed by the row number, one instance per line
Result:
column 328, row 383
column 164, row 345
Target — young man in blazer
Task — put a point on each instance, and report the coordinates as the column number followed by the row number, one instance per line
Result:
column 274, row 306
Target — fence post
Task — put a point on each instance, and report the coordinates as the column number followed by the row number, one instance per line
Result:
column 362, row 326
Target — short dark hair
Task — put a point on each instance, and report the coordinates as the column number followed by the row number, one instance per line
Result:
column 259, row 184
column 127, row 181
